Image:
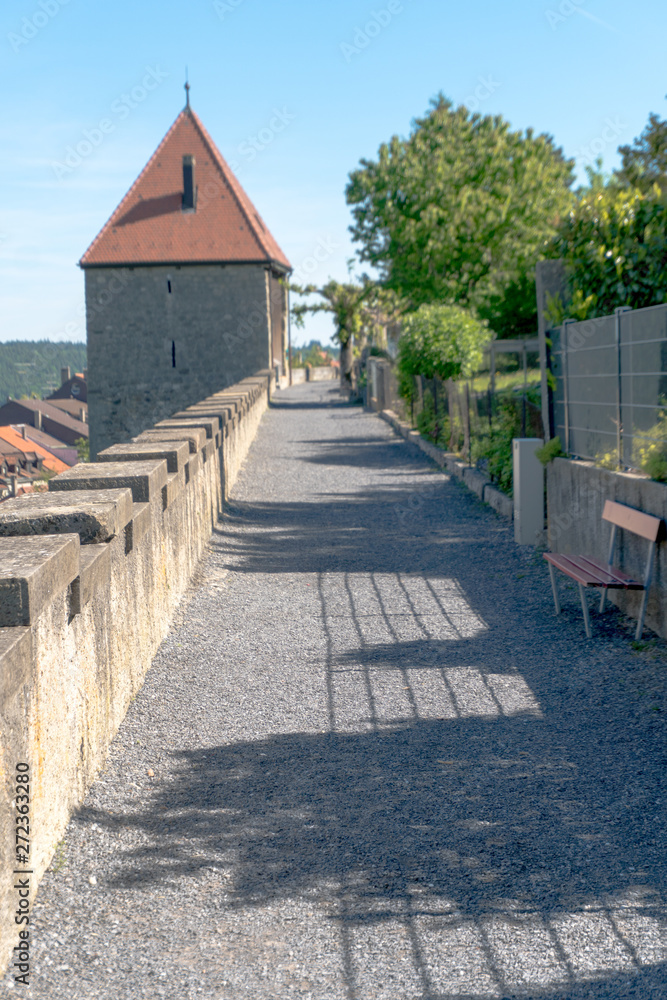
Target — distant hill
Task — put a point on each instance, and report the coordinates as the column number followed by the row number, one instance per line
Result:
column 32, row 368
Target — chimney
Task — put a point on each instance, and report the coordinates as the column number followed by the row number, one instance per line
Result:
column 65, row 375
column 37, row 418
column 25, row 436
column 189, row 190
column 82, row 415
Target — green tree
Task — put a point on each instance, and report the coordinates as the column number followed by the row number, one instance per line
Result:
column 644, row 163
column 441, row 340
column 614, row 244
column 460, row 212
column 82, row 446
column 354, row 306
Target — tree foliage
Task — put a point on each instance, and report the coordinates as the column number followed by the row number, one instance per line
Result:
column 32, row 368
column 614, row 244
column 459, row 212
column 355, row 306
column 442, row 340
column 644, row 163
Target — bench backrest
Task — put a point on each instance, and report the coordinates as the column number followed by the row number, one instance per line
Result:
column 645, row 525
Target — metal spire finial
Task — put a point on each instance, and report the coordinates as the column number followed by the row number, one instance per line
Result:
column 187, row 89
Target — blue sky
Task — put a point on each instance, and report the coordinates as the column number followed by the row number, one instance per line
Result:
column 338, row 78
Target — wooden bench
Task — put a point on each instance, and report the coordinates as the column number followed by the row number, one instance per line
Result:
column 590, row 573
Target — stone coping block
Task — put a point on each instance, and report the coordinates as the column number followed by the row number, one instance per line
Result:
column 185, row 419
column 176, row 452
column 15, row 661
column 208, row 451
column 193, row 466
column 95, row 571
column 172, row 488
column 210, row 426
column 194, row 436
column 225, row 412
column 138, row 526
column 144, row 479
column 34, row 569
column 95, row 515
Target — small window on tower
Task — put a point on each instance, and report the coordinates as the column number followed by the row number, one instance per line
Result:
column 173, row 354
column 169, row 286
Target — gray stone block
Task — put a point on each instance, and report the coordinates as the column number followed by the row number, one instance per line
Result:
column 144, row 479
column 172, row 488
column 193, row 466
column 95, row 571
column 15, row 662
column 501, row 503
column 138, row 526
column 211, row 424
column 476, row 481
column 195, row 436
column 34, row 570
column 176, row 452
column 95, row 515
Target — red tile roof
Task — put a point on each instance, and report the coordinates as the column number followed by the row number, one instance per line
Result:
column 29, row 448
column 150, row 227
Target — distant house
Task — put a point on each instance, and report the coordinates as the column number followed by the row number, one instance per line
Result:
column 72, row 396
column 44, row 417
column 66, row 453
column 23, row 462
column 184, row 290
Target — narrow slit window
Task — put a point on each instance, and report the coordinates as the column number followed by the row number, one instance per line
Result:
column 169, row 286
column 173, row 354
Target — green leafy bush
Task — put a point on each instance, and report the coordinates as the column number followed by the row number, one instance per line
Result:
column 651, row 450
column 441, row 340
column 432, row 425
column 614, row 243
column 552, row 449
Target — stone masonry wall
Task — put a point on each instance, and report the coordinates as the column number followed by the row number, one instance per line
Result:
column 150, row 348
column 90, row 574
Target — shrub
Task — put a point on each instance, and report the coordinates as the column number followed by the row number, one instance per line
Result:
column 446, row 341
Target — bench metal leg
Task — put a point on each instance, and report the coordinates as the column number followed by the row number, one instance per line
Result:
column 554, row 587
column 584, row 608
column 642, row 615
column 647, row 583
column 603, row 599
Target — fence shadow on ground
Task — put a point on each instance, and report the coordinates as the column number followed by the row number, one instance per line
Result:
column 487, row 866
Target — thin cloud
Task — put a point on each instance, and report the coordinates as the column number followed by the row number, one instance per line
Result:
column 597, row 20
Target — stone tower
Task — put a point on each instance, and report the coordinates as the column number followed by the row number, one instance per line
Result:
column 183, row 290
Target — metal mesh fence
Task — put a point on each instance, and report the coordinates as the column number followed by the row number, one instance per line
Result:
column 611, row 385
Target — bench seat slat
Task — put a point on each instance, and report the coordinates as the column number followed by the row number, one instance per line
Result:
column 591, row 573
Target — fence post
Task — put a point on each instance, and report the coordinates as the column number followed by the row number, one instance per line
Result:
column 464, row 406
column 566, row 387
column 435, row 408
column 453, row 437
column 468, row 394
column 619, row 371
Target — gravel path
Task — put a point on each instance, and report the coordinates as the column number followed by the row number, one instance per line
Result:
column 368, row 761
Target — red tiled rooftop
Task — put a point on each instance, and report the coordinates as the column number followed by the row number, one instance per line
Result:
column 30, row 448
column 150, row 227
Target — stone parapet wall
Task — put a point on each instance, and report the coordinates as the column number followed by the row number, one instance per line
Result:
column 576, row 494
column 90, row 575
